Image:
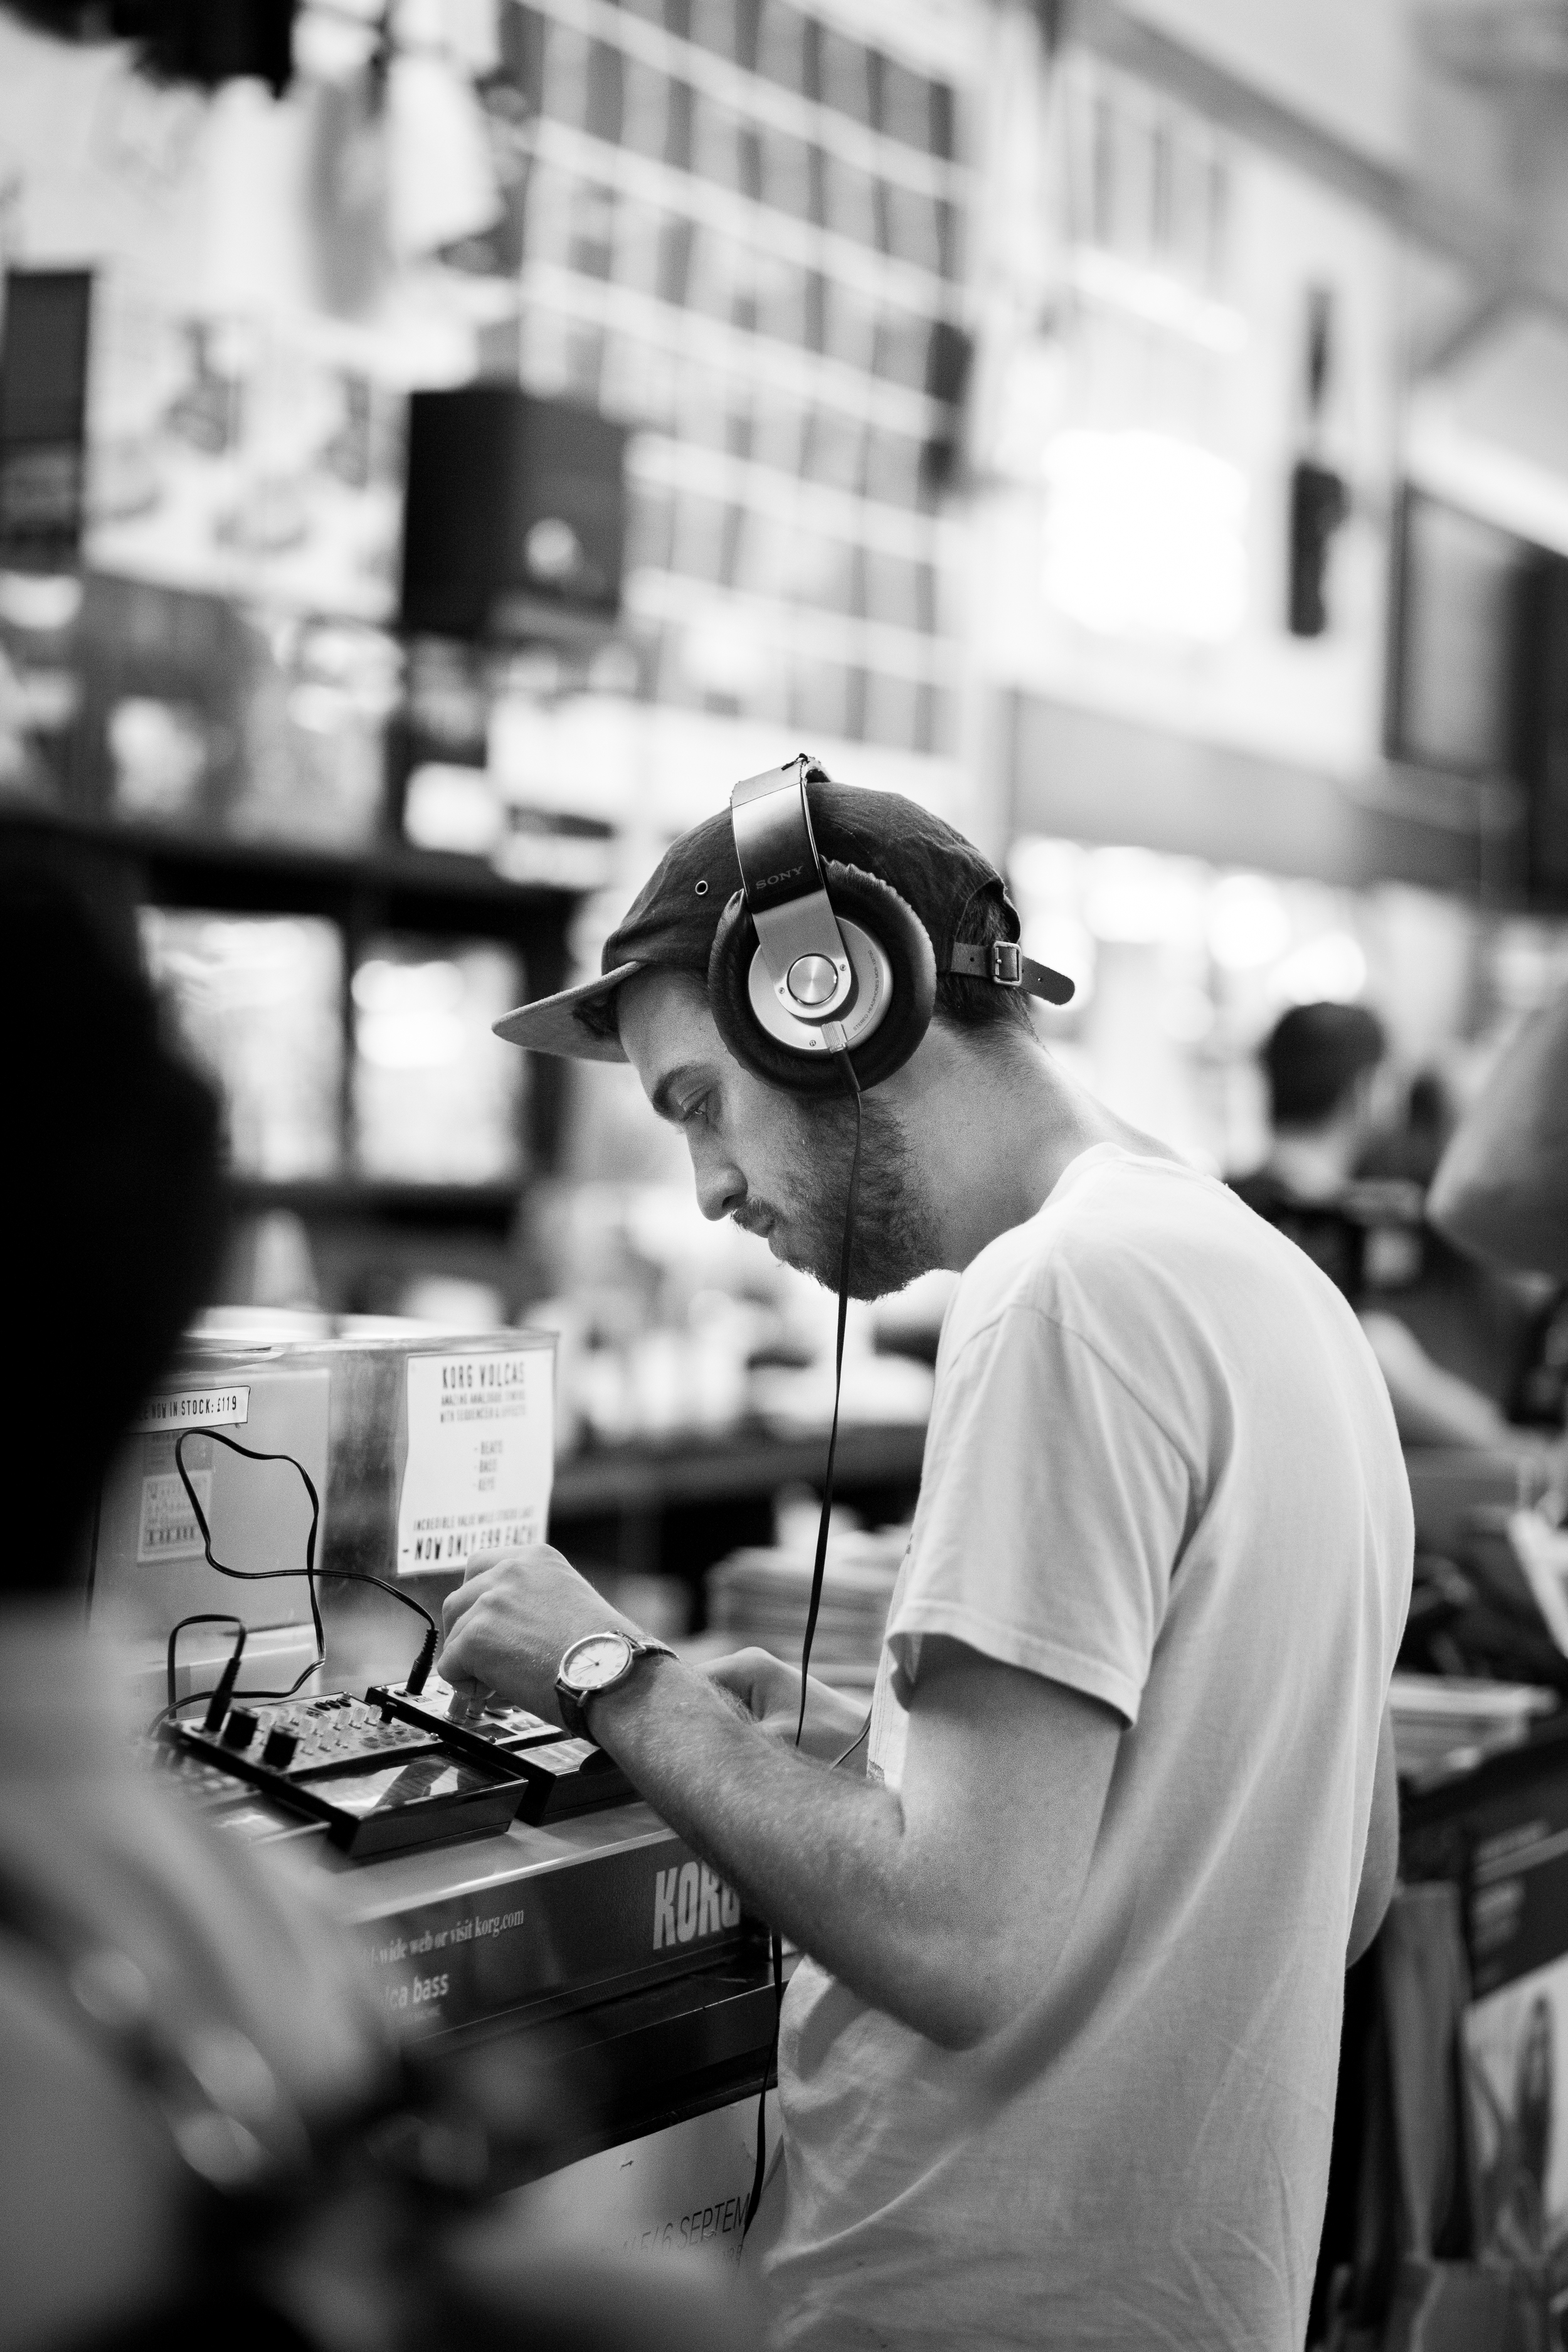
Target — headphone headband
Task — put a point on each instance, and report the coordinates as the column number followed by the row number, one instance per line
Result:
column 786, row 896
column 774, row 840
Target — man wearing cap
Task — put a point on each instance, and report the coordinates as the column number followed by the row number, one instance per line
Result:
column 1057, row 2065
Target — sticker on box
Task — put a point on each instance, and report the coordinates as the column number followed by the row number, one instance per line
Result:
column 480, row 1456
column 167, row 1528
column 194, row 1408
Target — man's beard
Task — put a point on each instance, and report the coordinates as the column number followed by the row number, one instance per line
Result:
column 895, row 1233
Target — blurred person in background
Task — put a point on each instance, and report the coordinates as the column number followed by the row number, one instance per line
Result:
column 1057, row 2067
column 1323, row 1064
column 1320, row 1064
column 177, row 2019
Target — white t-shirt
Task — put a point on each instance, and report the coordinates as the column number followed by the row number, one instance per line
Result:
column 1161, row 1469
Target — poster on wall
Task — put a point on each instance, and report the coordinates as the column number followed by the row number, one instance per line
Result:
column 236, row 458
column 1516, row 2073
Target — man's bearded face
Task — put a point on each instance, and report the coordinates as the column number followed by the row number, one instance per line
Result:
column 803, row 1221
column 775, row 1162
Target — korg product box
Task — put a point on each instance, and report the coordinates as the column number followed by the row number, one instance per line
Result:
column 427, row 1452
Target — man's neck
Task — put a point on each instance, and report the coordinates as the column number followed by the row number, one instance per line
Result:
column 999, row 1125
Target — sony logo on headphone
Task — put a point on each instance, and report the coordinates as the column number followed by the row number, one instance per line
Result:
column 784, row 875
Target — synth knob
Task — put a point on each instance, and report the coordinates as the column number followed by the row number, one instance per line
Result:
column 279, row 1750
column 239, row 1729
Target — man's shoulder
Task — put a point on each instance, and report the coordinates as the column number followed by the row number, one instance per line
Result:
column 1153, row 1267
column 1107, row 1222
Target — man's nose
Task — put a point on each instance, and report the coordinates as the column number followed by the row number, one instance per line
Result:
column 720, row 1186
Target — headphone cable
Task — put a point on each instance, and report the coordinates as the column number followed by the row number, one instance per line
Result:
column 819, row 1564
column 818, row 1570
column 845, row 1754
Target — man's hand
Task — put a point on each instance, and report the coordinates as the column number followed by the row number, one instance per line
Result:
column 507, row 1627
column 769, row 1692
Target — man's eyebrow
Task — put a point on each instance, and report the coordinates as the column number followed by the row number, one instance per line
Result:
column 663, row 1095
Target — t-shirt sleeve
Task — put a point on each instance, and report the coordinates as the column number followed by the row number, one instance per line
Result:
column 1053, row 1510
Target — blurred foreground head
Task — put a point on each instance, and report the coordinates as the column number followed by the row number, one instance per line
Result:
column 1502, row 1187
column 202, row 42
column 115, row 1223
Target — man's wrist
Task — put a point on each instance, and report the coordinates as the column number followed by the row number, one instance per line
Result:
column 622, row 1702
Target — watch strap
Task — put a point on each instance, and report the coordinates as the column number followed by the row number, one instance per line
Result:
column 568, row 1707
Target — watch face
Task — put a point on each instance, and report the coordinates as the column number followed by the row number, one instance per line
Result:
column 593, row 1665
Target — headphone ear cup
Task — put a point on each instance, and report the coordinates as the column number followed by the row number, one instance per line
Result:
column 903, row 939
column 729, row 990
column 893, row 923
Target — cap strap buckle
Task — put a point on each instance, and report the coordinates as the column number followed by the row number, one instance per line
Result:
column 1003, row 962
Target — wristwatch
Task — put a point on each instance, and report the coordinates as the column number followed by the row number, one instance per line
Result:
column 597, row 1662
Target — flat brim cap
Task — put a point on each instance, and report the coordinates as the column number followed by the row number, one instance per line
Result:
column 563, row 1025
column 671, row 922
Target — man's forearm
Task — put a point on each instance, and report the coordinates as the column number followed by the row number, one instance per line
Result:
column 913, row 1897
column 821, row 1857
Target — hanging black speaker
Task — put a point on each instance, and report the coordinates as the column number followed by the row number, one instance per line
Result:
column 42, row 416
column 514, row 526
column 1320, row 504
column 1319, row 496
column 950, row 360
column 1540, row 710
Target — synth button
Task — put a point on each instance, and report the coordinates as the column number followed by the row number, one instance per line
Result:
column 239, row 1729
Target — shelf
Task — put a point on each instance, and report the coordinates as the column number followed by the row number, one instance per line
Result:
column 656, row 2057
column 389, row 887
column 476, row 1208
column 426, row 890
column 1541, row 1754
column 649, row 1477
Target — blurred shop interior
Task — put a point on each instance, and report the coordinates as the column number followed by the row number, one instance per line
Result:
column 443, row 445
